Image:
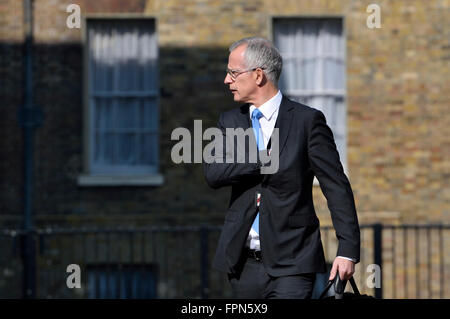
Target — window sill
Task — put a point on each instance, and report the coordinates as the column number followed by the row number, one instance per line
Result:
column 86, row 180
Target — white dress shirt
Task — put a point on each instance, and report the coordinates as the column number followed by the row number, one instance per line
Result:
column 269, row 111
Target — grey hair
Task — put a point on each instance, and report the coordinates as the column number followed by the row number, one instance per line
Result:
column 261, row 53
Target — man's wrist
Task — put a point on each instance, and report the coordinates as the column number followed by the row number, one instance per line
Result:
column 348, row 258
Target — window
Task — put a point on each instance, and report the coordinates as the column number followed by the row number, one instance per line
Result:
column 122, row 97
column 313, row 52
column 121, row 281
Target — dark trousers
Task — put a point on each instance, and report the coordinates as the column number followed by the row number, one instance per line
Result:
column 254, row 283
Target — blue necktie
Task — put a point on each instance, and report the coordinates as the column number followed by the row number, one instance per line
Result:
column 256, row 115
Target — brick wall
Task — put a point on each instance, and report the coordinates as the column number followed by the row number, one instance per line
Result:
column 398, row 159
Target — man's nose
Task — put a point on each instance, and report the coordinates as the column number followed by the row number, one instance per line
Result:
column 227, row 79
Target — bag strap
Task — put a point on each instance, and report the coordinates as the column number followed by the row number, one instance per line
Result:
column 327, row 287
column 354, row 287
column 331, row 282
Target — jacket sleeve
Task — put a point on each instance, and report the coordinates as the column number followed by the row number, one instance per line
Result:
column 325, row 162
column 219, row 173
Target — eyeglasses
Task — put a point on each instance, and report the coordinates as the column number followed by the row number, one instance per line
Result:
column 235, row 73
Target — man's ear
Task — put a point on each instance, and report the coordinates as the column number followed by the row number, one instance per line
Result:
column 259, row 77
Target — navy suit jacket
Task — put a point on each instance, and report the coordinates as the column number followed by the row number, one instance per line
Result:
column 289, row 227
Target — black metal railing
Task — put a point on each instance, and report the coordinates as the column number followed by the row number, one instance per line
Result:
column 174, row 262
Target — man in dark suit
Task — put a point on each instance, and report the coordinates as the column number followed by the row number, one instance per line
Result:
column 270, row 243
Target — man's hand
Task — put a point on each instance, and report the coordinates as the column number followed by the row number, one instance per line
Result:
column 345, row 267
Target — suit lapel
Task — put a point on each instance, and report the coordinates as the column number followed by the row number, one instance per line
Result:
column 245, row 122
column 244, row 119
column 283, row 122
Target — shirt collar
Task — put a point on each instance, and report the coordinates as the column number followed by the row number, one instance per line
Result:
column 269, row 107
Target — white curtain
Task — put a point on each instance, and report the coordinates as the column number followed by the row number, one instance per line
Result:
column 313, row 73
column 123, row 92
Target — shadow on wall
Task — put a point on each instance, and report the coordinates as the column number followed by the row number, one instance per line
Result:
column 190, row 87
